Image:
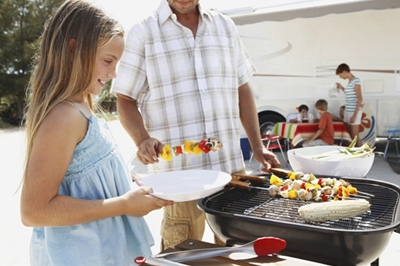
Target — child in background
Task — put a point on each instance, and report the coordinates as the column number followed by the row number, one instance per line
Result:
column 303, row 111
column 341, row 115
column 76, row 189
column 341, row 111
column 324, row 135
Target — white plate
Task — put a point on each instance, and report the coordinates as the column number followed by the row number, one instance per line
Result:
column 186, row 185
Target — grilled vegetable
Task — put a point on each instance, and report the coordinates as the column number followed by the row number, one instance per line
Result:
column 275, row 180
column 190, row 146
column 333, row 210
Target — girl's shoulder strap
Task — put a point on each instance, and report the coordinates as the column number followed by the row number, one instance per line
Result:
column 82, row 113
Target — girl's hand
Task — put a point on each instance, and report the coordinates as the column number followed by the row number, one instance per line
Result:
column 137, row 179
column 139, row 202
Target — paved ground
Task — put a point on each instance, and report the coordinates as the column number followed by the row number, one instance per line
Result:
column 14, row 244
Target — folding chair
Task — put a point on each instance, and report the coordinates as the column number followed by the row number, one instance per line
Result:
column 394, row 136
column 290, row 118
column 271, row 142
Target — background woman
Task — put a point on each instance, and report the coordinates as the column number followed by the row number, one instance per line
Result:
column 353, row 106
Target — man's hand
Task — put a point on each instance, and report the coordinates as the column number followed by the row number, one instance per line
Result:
column 149, row 150
column 268, row 159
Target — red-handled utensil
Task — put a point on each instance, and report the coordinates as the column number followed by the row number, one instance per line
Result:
column 260, row 247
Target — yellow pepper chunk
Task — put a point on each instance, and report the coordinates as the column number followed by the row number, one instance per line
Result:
column 197, row 150
column 292, row 176
column 352, row 190
column 309, row 185
column 345, row 194
column 312, row 177
column 166, row 153
column 274, row 180
column 187, row 146
column 293, row 194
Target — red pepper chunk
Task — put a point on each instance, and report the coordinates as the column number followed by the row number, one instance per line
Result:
column 202, row 145
column 340, row 192
column 178, row 150
column 320, row 181
column 324, row 197
column 284, row 188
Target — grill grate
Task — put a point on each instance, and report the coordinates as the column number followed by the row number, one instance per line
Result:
column 258, row 204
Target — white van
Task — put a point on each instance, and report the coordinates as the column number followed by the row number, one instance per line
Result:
column 296, row 53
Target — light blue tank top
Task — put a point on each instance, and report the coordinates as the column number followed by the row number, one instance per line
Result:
column 97, row 171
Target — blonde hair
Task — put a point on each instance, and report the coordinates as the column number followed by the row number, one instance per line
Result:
column 62, row 67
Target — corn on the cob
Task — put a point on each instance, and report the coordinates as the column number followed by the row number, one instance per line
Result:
column 333, row 210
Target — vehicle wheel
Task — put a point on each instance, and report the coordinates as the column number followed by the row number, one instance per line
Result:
column 267, row 122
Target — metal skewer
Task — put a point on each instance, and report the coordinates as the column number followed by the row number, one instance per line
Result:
column 351, row 196
column 366, row 194
column 244, row 185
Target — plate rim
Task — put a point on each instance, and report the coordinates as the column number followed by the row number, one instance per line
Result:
column 193, row 193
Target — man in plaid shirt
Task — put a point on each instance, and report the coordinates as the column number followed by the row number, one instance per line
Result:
column 183, row 76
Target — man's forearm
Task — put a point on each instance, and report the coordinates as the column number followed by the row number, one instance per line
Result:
column 131, row 119
column 248, row 116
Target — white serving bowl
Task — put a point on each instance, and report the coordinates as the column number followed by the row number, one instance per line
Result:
column 342, row 168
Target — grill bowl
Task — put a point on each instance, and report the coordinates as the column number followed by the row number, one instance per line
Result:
column 345, row 168
column 240, row 216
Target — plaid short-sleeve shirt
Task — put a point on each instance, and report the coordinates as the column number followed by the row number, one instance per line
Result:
column 186, row 87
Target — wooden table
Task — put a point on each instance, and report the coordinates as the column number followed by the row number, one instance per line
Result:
column 237, row 259
column 298, row 132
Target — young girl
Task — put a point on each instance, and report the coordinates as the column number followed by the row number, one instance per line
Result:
column 76, row 191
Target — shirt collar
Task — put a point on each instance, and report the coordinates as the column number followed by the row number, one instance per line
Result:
column 164, row 12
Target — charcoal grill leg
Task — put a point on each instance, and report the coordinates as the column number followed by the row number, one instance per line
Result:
column 375, row 262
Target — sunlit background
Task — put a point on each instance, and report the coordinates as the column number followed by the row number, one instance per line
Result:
column 129, row 12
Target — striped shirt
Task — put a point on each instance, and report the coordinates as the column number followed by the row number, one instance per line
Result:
column 351, row 96
column 186, row 87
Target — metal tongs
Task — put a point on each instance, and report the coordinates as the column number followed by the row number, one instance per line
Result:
column 157, row 261
column 260, row 247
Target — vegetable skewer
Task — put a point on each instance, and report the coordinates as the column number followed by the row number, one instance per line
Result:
column 191, row 147
column 299, row 175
